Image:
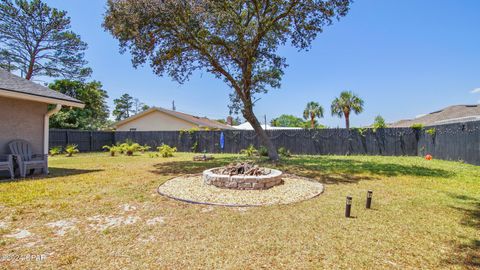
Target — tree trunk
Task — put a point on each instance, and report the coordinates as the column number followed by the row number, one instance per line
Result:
column 252, row 119
column 29, row 74
column 312, row 122
column 347, row 120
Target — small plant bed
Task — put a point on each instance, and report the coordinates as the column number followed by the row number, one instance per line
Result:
column 192, row 189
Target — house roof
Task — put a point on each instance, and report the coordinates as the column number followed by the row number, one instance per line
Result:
column 452, row 114
column 20, row 88
column 200, row 121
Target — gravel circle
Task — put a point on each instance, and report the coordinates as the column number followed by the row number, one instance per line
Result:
column 192, row 189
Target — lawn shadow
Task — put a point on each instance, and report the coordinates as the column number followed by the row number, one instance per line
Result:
column 190, row 167
column 53, row 173
column 337, row 171
column 470, row 252
column 326, row 170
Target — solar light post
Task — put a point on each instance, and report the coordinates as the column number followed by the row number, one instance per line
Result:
column 369, row 199
column 348, row 206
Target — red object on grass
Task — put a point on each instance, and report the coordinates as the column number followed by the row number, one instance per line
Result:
column 428, row 157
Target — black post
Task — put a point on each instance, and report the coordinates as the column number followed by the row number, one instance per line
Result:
column 348, row 206
column 369, row 199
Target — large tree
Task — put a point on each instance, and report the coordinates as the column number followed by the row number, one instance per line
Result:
column 39, row 40
column 345, row 104
column 124, row 107
column 235, row 40
column 287, row 120
column 312, row 110
column 95, row 114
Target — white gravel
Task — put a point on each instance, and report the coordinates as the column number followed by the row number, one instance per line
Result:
column 20, row 234
column 191, row 188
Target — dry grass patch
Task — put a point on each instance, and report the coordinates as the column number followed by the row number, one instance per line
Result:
column 96, row 211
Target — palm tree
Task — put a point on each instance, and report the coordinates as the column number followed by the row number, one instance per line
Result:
column 345, row 104
column 312, row 111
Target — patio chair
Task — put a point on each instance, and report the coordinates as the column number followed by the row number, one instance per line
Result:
column 22, row 151
column 6, row 164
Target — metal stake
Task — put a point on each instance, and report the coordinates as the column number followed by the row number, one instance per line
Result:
column 369, row 199
column 348, row 206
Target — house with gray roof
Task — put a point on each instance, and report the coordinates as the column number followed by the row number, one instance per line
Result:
column 160, row 119
column 449, row 115
column 24, row 111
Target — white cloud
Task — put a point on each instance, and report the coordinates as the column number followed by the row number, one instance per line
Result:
column 475, row 91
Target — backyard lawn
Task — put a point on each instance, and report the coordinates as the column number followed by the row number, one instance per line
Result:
column 101, row 212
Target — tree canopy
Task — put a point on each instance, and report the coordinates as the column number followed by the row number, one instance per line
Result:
column 95, row 114
column 343, row 106
column 287, row 120
column 235, row 40
column 379, row 123
column 39, row 41
column 312, row 110
column 126, row 106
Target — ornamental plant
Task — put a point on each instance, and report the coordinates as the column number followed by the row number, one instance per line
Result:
column 250, row 151
column 166, row 151
column 71, row 149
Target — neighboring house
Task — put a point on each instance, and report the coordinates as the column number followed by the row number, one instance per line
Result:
column 160, row 119
column 24, row 111
column 248, row 126
column 452, row 114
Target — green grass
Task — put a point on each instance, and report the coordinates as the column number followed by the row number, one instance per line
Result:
column 426, row 214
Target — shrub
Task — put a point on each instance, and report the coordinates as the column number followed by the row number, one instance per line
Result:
column 145, row 148
column 250, row 151
column 417, row 126
column 284, row 152
column 56, row 150
column 431, row 131
column 113, row 149
column 263, row 151
column 379, row 123
column 129, row 147
column 194, row 147
column 166, row 151
column 71, row 149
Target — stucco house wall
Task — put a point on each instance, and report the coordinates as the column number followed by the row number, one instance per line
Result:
column 21, row 119
column 156, row 120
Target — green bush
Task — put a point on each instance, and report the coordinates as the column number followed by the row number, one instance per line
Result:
column 284, row 152
column 71, row 149
column 56, row 150
column 145, row 148
column 417, row 126
column 263, row 151
column 129, row 147
column 113, row 149
column 249, row 151
column 166, row 151
column 431, row 131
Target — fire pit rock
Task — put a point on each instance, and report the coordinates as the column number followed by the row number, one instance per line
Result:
column 269, row 178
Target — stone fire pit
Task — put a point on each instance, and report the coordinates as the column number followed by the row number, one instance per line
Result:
column 266, row 180
column 243, row 176
column 241, row 185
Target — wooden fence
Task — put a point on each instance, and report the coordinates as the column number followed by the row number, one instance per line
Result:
column 451, row 142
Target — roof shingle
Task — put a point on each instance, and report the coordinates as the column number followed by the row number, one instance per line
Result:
column 13, row 83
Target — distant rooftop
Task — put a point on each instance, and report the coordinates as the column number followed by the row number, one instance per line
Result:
column 452, row 114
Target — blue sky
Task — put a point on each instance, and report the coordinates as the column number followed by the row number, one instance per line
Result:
column 404, row 58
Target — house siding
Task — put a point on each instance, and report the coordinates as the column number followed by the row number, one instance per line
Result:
column 156, row 121
column 21, row 119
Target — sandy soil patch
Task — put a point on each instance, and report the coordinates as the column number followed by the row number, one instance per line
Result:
column 62, row 226
column 191, row 188
column 20, row 234
column 101, row 223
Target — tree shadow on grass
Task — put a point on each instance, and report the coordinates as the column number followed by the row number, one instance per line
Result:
column 53, row 173
column 470, row 251
column 326, row 170
column 343, row 171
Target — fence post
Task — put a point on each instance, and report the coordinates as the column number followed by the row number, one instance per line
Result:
column 91, row 141
column 67, row 134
